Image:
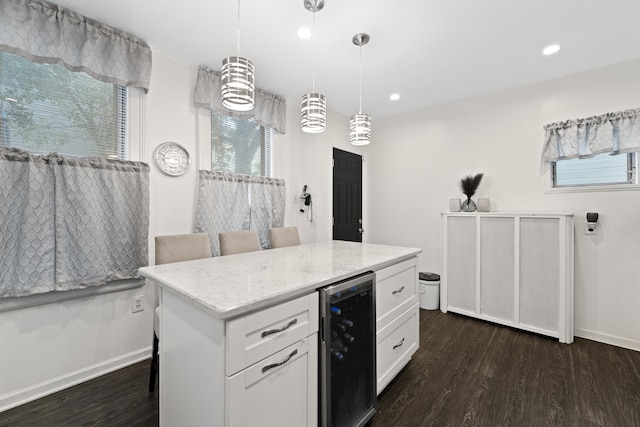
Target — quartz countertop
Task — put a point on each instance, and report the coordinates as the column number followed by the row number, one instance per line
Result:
column 233, row 285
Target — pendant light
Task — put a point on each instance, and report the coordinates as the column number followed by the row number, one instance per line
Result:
column 237, row 79
column 314, row 104
column 360, row 124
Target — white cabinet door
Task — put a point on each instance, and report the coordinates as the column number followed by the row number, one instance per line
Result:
column 281, row 390
column 396, row 343
column 461, row 266
column 396, row 291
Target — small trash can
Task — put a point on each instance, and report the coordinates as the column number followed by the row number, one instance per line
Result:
column 429, row 290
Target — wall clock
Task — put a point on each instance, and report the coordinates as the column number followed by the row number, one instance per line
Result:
column 171, row 159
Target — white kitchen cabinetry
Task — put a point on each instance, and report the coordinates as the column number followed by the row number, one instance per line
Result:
column 397, row 320
column 241, row 372
column 515, row 269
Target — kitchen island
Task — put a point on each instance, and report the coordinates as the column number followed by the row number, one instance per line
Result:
column 238, row 334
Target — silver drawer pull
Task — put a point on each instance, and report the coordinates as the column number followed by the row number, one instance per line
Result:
column 397, row 291
column 275, row 365
column 399, row 344
column 284, row 328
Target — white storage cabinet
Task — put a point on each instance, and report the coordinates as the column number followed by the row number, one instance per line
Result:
column 515, row 269
column 261, row 367
column 397, row 319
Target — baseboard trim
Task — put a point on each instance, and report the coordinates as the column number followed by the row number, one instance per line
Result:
column 607, row 339
column 25, row 395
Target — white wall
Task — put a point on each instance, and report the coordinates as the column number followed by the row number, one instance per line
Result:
column 419, row 159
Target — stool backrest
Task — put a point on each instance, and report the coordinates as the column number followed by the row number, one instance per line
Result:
column 182, row 247
column 237, row 242
column 284, row 236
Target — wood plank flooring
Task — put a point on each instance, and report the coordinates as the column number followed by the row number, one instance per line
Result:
column 473, row 373
column 466, row 373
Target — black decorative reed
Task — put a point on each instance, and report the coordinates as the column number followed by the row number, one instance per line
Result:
column 469, row 184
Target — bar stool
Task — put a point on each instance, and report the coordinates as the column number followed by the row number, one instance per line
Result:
column 174, row 248
column 237, row 242
column 284, row 236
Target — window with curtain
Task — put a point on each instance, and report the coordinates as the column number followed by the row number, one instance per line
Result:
column 594, row 151
column 46, row 108
column 240, row 146
column 75, row 215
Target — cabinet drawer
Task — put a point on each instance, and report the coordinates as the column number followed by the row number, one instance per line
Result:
column 396, row 343
column 281, row 390
column 396, row 291
column 253, row 337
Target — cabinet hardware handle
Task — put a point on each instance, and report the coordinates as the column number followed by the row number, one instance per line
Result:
column 275, row 365
column 284, row 328
column 399, row 344
column 397, row 291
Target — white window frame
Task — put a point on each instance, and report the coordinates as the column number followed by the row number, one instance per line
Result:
column 632, row 185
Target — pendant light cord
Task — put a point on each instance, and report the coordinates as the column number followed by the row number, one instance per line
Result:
column 313, row 63
column 238, row 28
column 360, row 108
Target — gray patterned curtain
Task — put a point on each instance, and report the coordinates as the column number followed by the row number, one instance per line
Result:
column 102, row 220
column 27, row 227
column 231, row 202
column 612, row 133
column 44, row 32
column 70, row 223
column 223, row 205
column 267, row 206
column 270, row 110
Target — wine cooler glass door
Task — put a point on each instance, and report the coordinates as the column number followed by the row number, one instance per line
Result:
column 348, row 379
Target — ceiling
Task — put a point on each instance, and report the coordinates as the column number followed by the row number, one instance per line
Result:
column 430, row 52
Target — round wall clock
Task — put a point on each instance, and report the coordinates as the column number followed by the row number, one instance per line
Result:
column 172, row 159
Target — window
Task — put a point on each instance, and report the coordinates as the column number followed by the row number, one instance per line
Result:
column 46, row 108
column 240, row 146
column 603, row 169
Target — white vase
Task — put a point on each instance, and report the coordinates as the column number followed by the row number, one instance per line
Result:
column 454, row 205
column 484, row 205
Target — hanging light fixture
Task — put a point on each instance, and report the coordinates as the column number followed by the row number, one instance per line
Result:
column 360, row 124
column 314, row 104
column 237, row 79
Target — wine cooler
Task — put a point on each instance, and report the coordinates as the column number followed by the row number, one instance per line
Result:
column 348, row 352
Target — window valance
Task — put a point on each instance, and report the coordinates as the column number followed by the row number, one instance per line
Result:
column 581, row 138
column 269, row 111
column 47, row 33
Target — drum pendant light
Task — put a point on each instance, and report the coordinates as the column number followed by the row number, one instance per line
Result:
column 314, row 104
column 360, row 124
column 237, row 79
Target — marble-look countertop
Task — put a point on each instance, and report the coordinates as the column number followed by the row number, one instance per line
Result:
column 233, row 285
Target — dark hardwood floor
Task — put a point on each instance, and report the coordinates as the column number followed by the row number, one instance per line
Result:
column 466, row 373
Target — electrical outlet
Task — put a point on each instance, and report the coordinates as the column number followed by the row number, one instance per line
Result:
column 137, row 304
column 588, row 232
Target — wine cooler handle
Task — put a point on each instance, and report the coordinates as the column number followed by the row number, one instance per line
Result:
column 399, row 344
column 275, row 331
column 397, row 291
column 275, row 365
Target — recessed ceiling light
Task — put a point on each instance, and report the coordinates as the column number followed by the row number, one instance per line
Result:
column 394, row 96
column 551, row 49
column 304, row 33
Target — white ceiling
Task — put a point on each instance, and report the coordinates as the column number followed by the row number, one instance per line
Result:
column 430, row 52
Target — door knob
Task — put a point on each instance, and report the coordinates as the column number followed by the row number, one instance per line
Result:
column 360, row 230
